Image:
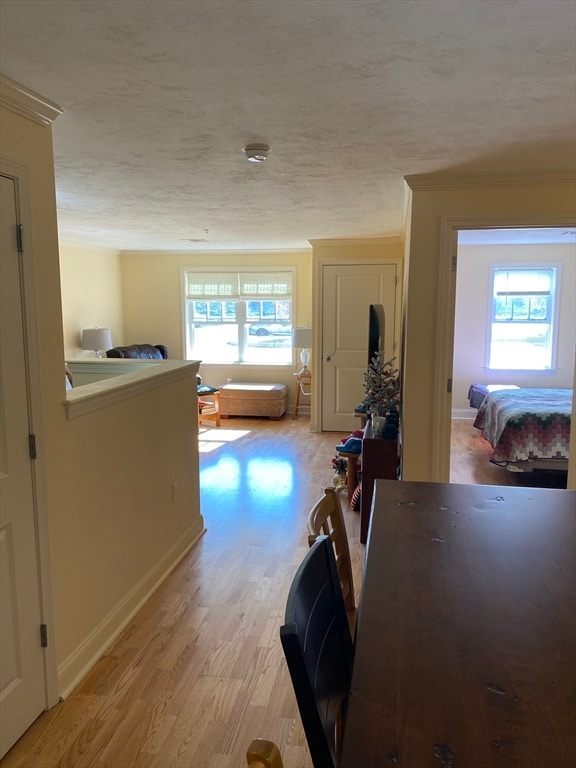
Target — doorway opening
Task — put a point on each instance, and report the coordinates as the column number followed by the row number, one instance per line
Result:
column 479, row 252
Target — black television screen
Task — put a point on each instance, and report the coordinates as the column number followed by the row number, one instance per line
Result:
column 376, row 327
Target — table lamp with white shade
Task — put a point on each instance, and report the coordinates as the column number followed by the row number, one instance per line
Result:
column 96, row 339
column 302, row 339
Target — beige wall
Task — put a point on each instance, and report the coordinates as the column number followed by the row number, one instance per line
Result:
column 434, row 201
column 118, row 530
column 153, row 303
column 114, row 529
column 91, row 295
column 369, row 249
column 472, row 303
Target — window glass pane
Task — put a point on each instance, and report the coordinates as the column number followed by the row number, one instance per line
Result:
column 214, row 342
column 519, row 308
column 517, row 346
column 269, row 340
column 254, row 310
column 539, row 307
column 284, row 310
column 273, row 346
column 502, row 308
column 215, row 310
column 521, row 330
column 199, row 310
column 255, row 331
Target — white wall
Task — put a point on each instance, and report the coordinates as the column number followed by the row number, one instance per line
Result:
column 472, row 304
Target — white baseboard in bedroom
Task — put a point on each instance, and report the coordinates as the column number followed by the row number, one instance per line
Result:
column 77, row 665
column 464, row 413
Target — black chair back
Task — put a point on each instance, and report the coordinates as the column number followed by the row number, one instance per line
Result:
column 319, row 651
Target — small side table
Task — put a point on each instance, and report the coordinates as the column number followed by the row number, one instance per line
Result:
column 304, row 387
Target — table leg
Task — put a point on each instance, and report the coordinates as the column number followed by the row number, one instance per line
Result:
column 297, row 401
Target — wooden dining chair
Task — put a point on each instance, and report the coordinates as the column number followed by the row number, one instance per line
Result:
column 263, row 754
column 318, row 648
column 326, row 518
column 208, row 409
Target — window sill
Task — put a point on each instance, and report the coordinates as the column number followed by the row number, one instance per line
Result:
column 523, row 371
column 207, row 363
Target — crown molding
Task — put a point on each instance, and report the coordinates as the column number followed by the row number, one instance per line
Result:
column 355, row 241
column 430, row 181
column 25, row 102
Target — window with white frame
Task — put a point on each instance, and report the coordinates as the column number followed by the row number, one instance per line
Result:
column 239, row 317
column 522, row 321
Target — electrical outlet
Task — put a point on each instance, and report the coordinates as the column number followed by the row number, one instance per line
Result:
column 174, row 491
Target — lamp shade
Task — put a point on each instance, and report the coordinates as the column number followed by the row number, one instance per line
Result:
column 302, row 338
column 96, row 338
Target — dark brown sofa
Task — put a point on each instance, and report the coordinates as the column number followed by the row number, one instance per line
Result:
column 140, row 351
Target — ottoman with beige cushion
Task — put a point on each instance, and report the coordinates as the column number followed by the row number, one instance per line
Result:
column 245, row 398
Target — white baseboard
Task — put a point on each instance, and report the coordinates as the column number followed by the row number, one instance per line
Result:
column 464, row 413
column 77, row 665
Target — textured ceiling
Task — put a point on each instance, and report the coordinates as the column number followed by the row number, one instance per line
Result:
column 160, row 96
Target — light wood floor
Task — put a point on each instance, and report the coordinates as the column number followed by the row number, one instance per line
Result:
column 469, row 459
column 199, row 672
column 469, row 462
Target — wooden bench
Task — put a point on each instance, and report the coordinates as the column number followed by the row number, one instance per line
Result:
column 246, row 398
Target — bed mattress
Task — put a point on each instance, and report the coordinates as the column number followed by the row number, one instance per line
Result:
column 526, row 425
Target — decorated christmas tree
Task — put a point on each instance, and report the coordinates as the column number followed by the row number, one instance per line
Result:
column 381, row 385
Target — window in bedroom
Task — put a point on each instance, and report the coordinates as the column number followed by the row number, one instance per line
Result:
column 239, row 317
column 522, row 320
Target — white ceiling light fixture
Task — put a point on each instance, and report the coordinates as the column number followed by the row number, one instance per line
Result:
column 256, row 153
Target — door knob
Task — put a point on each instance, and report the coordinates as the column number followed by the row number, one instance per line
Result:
column 327, row 358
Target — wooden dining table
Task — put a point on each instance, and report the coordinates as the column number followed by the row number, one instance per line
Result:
column 465, row 651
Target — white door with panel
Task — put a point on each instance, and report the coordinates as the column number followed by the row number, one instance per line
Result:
column 347, row 292
column 22, row 672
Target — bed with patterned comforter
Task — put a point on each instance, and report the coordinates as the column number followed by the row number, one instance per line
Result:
column 527, row 428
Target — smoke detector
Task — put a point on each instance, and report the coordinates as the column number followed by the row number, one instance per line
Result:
column 256, row 153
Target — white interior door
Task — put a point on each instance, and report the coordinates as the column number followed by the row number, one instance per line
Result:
column 22, row 676
column 347, row 292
